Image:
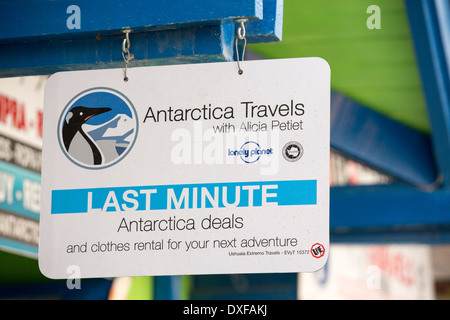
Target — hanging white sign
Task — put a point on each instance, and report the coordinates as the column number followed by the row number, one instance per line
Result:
column 187, row 169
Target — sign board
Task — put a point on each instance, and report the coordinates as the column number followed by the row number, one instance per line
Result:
column 19, row 207
column 374, row 272
column 21, row 101
column 188, row 169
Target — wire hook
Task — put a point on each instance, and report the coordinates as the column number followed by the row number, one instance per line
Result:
column 241, row 36
column 126, row 54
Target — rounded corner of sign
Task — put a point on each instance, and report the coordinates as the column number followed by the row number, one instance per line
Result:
column 52, row 78
column 324, row 63
column 44, row 271
column 323, row 261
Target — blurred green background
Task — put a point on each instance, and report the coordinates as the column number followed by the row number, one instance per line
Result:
column 376, row 67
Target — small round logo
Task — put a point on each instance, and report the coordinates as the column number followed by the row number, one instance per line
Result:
column 292, row 151
column 317, row 250
column 251, row 152
column 97, row 128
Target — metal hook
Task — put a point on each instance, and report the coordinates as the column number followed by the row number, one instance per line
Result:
column 126, row 42
column 241, row 36
column 126, row 54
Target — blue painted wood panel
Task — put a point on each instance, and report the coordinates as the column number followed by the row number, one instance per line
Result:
column 382, row 143
column 270, row 28
column 28, row 19
column 430, row 27
column 191, row 45
column 35, row 40
column 389, row 213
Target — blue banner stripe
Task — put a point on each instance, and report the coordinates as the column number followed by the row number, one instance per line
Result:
column 18, row 247
column 186, row 196
column 20, row 190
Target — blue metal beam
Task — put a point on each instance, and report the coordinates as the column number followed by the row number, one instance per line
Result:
column 389, row 213
column 382, row 143
column 33, row 20
column 270, row 28
column 182, row 36
column 192, row 45
column 167, row 288
column 430, row 23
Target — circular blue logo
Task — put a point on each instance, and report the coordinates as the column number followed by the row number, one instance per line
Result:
column 97, row 128
column 251, row 152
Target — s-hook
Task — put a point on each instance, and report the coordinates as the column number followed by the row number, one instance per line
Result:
column 241, row 36
column 126, row 54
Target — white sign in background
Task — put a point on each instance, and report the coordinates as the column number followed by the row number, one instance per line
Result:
column 189, row 169
column 372, row 272
column 21, row 110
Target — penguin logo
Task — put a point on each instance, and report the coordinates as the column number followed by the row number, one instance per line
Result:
column 98, row 127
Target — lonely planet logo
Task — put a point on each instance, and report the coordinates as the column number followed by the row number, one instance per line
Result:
column 97, row 128
column 250, row 152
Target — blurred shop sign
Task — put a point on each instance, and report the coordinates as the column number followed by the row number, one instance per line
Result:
column 344, row 171
column 371, row 272
column 21, row 110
